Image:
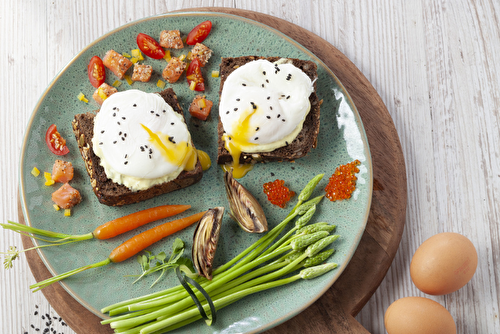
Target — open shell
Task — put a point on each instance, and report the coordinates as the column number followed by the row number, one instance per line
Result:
column 245, row 209
column 205, row 241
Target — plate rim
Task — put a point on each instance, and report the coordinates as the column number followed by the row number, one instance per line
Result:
column 368, row 162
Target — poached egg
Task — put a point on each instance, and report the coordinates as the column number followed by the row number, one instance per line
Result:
column 262, row 107
column 141, row 140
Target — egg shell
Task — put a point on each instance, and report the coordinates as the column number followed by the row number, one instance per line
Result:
column 443, row 263
column 418, row 315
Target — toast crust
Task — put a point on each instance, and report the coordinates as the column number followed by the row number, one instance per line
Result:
column 305, row 140
column 114, row 194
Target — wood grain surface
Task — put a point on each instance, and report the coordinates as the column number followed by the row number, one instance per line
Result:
column 435, row 65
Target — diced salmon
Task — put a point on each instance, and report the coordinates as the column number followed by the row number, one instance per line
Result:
column 202, row 52
column 116, row 63
column 142, row 72
column 200, row 107
column 171, row 39
column 66, row 197
column 62, row 171
column 174, row 69
column 103, row 92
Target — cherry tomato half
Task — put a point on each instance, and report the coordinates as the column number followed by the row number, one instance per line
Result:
column 97, row 74
column 199, row 33
column 193, row 74
column 150, row 46
column 55, row 142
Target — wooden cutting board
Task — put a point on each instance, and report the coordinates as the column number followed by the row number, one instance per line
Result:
column 334, row 312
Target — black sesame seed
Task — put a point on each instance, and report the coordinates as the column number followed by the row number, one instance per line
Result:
column 152, row 111
column 286, row 143
column 264, row 72
column 283, row 120
column 36, row 312
column 134, row 105
column 257, row 129
column 267, row 80
column 262, row 85
column 172, row 123
column 118, row 123
column 271, row 107
column 237, row 99
column 150, row 151
column 100, row 143
column 268, row 97
column 123, row 138
column 288, row 97
column 32, row 326
column 126, row 155
column 114, row 108
column 150, row 156
column 123, row 118
column 124, row 135
column 279, row 115
column 43, row 317
column 164, row 111
column 256, row 138
column 235, row 109
column 157, row 115
column 119, row 133
column 114, row 114
column 114, row 142
column 126, row 162
column 171, row 139
column 227, row 112
column 272, row 174
column 268, row 117
column 243, row 84
column 146, row 146
column 102, row 131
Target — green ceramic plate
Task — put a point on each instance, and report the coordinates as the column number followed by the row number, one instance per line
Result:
column 341, row 140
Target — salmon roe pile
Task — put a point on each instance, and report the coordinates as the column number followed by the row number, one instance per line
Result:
column 277, row 193
column 342, row 182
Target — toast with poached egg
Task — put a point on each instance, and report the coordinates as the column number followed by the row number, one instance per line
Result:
column 268, row 110
column 137, row 147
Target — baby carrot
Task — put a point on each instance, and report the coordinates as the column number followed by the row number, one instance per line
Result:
column 127, row 223
column 145, row 239
column 105, row 231
column 129, row 248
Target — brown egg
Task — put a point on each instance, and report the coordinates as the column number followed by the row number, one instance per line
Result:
column 418, row 315
column 443, row 263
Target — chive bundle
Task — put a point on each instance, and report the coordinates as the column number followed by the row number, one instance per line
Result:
column 264, row 265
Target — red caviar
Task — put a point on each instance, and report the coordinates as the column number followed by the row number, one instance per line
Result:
column 277, row 193
column 343, row 182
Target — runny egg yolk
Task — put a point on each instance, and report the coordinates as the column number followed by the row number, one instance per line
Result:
column 179, row 154
column 241, row 137
column 204, row 159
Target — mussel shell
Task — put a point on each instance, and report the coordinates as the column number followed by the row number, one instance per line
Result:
column 205, row 241
column 245, row 209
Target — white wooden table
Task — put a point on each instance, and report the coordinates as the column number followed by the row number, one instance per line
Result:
column 436, row 65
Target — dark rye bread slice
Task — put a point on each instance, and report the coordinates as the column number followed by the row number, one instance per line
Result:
column 304, row 141
column 111, row 193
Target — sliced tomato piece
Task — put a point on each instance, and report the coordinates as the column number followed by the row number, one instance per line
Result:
column 55, row 142
column 199, row 33
column 97, row 74
column 200, row 107
column 150, row 46
column 194, row 77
